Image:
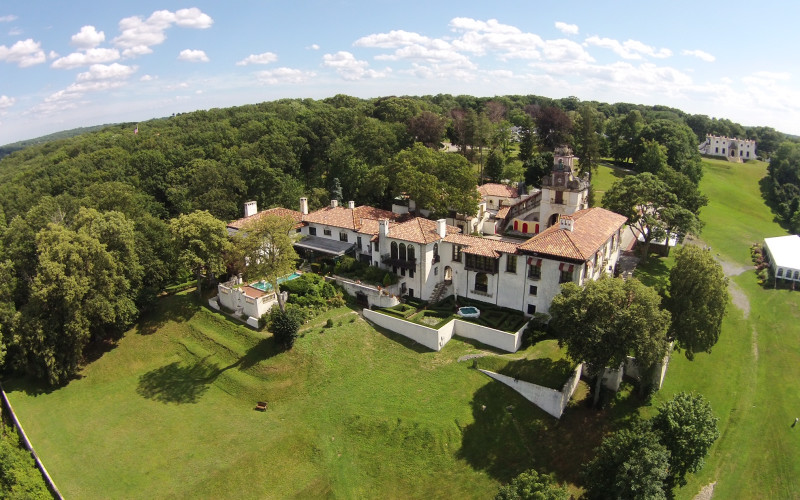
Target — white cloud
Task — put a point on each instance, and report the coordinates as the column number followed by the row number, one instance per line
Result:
column 178, row 86
column 490, row 26
column 399, row 38
column 106, row 72
column 190, row 55
column 138, row 35
column 700, row 54
column 88, row 37
column 265, row 58
column 91, row 56
column 279, row 76
column 15, row 32
column 772, row 75
column 193, row 18
column 348, row 67
column 313, row 46
column 565, row 50
column 629, row 49
column 6, row 102
column 100, row 77
column 147, row 78
column 8, row 19
column 24, row 53
column 567, row 29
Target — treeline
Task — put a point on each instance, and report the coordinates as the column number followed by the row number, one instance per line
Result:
column 781, row 187
column 85, row 240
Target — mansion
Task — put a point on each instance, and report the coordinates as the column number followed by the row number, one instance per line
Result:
column 531, row 243
column 734, row 149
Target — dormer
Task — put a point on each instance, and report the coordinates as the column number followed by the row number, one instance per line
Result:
column 566, row 223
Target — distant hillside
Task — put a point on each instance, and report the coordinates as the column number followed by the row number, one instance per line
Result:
column 64, row 134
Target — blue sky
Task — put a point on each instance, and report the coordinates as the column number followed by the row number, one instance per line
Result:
column 81, row 63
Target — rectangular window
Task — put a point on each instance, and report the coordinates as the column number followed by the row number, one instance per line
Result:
column 358, row 242
column 535, row 272
column 779, row 273
column 342, row 236
column 531, row 309
column 533, row 289
column 565, row 276
column 511, row 263
column 326, row 232
column 456, row 253
column 410, row 273
column 402, row 271
column 312, row 231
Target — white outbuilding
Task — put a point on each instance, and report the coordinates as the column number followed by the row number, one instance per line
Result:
column 784, row 256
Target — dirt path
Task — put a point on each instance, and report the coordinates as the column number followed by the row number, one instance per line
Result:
column 730, row 269
column 706, row 492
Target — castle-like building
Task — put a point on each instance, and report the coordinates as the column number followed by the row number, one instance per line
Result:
column 534, row 243
column 729, row 147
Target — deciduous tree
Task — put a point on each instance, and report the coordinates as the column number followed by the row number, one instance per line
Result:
column 530, row 485
column 266, row 250
column 629, row 464
column 698, row 297
column 202, row 242
column 687, row 427
column 608, row 319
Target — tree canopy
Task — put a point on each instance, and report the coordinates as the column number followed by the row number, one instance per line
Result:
column 629, row 464
column 530, row 485
column 688, row 428
column 698, row 298
column 202, row 242
column 608, row 319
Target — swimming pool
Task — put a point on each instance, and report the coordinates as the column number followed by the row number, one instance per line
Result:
column 265, row 287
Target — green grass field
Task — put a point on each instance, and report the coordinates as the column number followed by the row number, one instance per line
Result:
column 749, row 376
column 353, row 413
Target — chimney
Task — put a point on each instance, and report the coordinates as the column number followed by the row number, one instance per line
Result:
column 566, row 223
column 351, row 205
column 250, row 208
column 441, row 227
column 383, row 227
column 304, row 206
column 334, row 203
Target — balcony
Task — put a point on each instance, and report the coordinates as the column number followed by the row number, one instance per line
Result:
column 436, row 259
column 396, row 262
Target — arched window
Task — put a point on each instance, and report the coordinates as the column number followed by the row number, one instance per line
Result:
column 481, row 282
column 411, row 252
column 394, row 250
column 524, row 227
column 402, row 255
column 516, row 225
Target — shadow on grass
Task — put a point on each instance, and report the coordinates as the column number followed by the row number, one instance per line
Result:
column 186, row 383
column 509, row 434
column 540, row 371
column 401, row 339
column 178, row 308
column 653, row 272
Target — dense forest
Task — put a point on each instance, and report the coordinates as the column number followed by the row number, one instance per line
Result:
column 85, row 240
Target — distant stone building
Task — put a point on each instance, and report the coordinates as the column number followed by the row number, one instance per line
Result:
column 733, row 149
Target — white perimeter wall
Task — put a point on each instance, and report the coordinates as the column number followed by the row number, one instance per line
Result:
column 550, row 400
column 436, row 339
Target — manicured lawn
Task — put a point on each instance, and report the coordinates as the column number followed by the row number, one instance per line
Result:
column 750, row 375
column 353, row 413
column 605, row 176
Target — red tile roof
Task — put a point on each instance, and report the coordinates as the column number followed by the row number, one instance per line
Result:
column 591, row 228
column 502, row 190
column 482, row 246
column 357, row 219
column 418, row 230
column 281, row 212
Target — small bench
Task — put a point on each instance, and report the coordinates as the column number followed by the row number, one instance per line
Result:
column 261, row 406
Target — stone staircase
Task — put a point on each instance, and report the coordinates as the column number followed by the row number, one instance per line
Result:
column 438, row 292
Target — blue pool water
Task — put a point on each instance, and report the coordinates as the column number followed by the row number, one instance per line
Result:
column 265, row 287
column 468, row 312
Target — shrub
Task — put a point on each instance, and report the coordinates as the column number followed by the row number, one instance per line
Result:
column 285, row 324
column 329, row 323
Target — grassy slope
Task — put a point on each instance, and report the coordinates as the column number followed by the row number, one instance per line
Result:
column 353, row 413
column 749, row 375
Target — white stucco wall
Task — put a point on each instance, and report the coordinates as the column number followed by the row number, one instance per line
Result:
column 506, row 341
column 551, row 401
column 430, row 338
